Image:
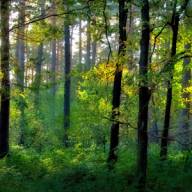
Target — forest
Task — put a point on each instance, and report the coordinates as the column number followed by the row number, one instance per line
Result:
column 95, row 95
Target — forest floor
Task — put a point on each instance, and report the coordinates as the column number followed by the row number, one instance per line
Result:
column 84, row 170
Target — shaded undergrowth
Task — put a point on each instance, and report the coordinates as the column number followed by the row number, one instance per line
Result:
column 79, row 169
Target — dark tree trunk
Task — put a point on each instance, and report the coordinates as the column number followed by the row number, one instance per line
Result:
column 114, row 138
column 67, row 70
column 5, row 82
column 71, row 43
column 39, row 62
column 175, row 27
column 20, row 56
column 144, row 96
column 165, row 133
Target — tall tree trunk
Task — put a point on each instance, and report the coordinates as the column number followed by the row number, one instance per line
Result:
column 5, row 82
column 20, row 56
column 71, row 43
column 184, row 132
column 38, row 63
column 94, row 46
column 88, row 48
column 144, row 96
column 175, row 28
column 27, row 67
column 114, row 138
column 165, row 133
column 80, row 45
column 67, row 70
column 53, row 66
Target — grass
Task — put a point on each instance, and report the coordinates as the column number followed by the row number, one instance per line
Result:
column 80, row 170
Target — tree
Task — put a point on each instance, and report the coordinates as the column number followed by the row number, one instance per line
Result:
column 94, row 45
column 88, row 47
column 114, row 135
column 175, row 28
column 5, row 82
column 67, row 71
column 144, row 96
column 80, row 45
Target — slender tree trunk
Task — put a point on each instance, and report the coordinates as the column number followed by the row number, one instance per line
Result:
column 71, row 43
column 184, row 132
column 39, row 61
column 114, row 138
column 80, row 45
column 88, row 48
column 67, row 70
column 165, row 133
column 175, row 28
column 20, row 56
column 5, row 82
column 27, row 67
column 94, row 47
column 144, row 96
column 53, row 66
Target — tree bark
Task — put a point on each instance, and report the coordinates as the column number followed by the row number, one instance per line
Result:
column 144, row 96
column 5, row 82
column 67, row 70
column 114, row 137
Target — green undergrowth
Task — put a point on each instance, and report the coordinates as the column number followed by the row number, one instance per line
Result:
column 80, row 169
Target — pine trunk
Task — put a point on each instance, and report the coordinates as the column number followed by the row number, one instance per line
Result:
column 165, row 133
column 67, row 70
column 114, row 137
column 143, row 97
column 5, row 82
